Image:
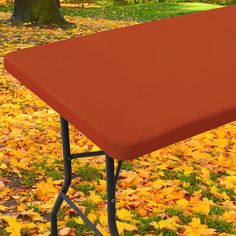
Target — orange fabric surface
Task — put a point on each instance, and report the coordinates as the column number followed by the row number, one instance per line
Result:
column 140, row 88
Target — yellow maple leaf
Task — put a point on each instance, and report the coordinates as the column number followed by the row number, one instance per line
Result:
column 14, row 227
column 205, row 173
column 182, row 203
column 159, row 183
column 203, row 206
column 92, row 216
column 221, row 142
column 103, row 230
column 45, row 190
column 229, row 216
column 3, row 208
column 50, row 161
column 21, row 207
column 225, row 196
column 103, row 219
column 79, row 220
column 223, row 161
column 65, row 231
column 19, row 163
column 42, row 228
column 128, row 191
column 162, row 167
column 102, row 185
column 3, row 166
column 144, row 190
column 94, row 197
column 124, row 214
column 169, row 223
column 144, row 173
column 187, row 169
column 231, row 172
column 151, row 203
column 49, row 204
column 29, row 225
column 95, row 148
column 195, row 228
column 229, row 181
column 125, row 226
column 214, row 190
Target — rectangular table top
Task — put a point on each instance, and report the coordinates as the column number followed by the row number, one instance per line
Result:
column 136, row 89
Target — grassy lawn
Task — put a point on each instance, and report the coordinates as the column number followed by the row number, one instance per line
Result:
column 138, row 12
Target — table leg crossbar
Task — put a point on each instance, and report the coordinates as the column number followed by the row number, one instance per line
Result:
column 86, row 154
column 111, row 180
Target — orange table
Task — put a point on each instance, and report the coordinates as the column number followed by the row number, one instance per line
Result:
column 136, row 89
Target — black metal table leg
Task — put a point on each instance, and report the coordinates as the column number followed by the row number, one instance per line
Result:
column 67, row 174
column 111, row 199
column 111, row 180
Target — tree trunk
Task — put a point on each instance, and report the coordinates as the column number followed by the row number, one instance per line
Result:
column 40, row 12
column 58, row 3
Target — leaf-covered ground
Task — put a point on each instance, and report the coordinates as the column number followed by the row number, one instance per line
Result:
column 188, row 188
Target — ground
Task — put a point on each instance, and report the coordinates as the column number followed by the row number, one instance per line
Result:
column 184, row 189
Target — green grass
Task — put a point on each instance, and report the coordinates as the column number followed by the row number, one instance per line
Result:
column 3, row 174
column 215, row 176
column 228, row 191
column 127, row 165
column 80, row 229
column 192, row 179
column 89, row 205
column 88, row 173
column 35, row 207
column 217, row 210
column 144, row 223
column 6, row 8
column 220, row 225
column 85, row 188
column 169, row 174
column 210, row 196
column 129, row 233
column 139, row 12
column 29, row 178
column 51, row 171
column 173, row 211
column 168, row 232
column 176, row 212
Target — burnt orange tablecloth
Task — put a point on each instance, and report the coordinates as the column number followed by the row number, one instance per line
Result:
column 137, row 89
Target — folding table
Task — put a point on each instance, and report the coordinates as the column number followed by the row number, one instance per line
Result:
column 136, row 89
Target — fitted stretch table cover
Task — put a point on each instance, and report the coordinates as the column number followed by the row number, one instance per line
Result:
column 136, row 89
